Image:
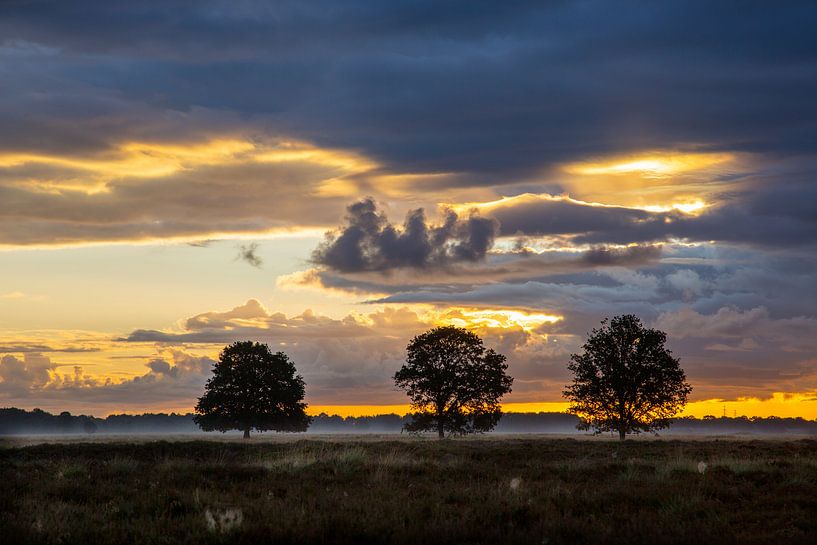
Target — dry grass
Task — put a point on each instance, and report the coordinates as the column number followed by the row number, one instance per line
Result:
column 528, row 490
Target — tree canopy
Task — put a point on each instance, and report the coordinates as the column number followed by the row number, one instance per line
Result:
column 253, row 388
column 453, row 381
column 626, row 380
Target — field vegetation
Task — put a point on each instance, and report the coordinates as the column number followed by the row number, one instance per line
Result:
column 514, row 490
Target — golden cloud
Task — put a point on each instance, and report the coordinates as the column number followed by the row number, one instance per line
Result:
column 657, row 164
column 493, row 318
column 651, row 180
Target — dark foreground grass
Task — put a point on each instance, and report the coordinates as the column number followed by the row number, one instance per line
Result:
column 528, row 491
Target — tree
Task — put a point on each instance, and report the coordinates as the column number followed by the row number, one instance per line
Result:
column 252, row 388
column 454, row 383
column 89, row 426
column 626, row 380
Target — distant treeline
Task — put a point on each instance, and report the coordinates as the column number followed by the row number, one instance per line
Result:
column 21, row 422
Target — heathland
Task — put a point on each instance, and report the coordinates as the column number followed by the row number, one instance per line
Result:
column 526, row 490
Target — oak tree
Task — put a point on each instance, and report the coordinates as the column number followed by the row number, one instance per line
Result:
column 453, row 381
column 253, row 388
column 626, row 380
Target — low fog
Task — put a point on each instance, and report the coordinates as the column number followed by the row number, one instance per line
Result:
column 37, row 422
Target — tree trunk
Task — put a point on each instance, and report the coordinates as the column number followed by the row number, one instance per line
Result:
column 246, row 433
column 622, row 434
column 440, row 429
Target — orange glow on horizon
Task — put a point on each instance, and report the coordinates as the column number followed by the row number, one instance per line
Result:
column 783, row 405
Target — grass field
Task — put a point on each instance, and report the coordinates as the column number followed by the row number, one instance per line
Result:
column 499, row 490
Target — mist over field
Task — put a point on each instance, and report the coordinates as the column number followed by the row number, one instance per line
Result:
column 18, row 422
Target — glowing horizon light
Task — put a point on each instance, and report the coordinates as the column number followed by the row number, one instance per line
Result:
column 498, row 319
column 779, row 404
column 650, row 165
column 687, row 208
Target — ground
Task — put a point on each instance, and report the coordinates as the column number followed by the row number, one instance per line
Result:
column 526, row 490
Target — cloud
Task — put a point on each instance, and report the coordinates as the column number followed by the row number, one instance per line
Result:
column 736, row 324
column 544, row 214
column 159, row 367
column 343, row 360
column 176, row 378
column 688, row 282
column 246, row 313
column 351, row 360
column 734, row 220
column 247, row 253
column 40, row 348
column 450, row 101
column 499, row 266
column 749, row 351
column 631, row 255
column 499, row 90
column 727, row 353
column 191, row 194
column 370, row 243
column 705, row 278
column 19, row 375
column 252, row 320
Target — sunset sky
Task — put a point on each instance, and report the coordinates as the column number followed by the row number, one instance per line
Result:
column 333, row 178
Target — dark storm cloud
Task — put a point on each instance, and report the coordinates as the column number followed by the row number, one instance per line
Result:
column 462, row 277
column 370, row 243
column 705, row 278
column 774, row 215
column 632, row 255
column 493, row 93
column 543, row 215
column 499, row 88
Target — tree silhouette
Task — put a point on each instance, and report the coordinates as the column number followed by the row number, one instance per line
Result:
column 89, row 426
column 454, row 383
column 626, row 380
column 252, row 388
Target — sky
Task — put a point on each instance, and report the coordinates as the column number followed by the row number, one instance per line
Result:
column 333, row 178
